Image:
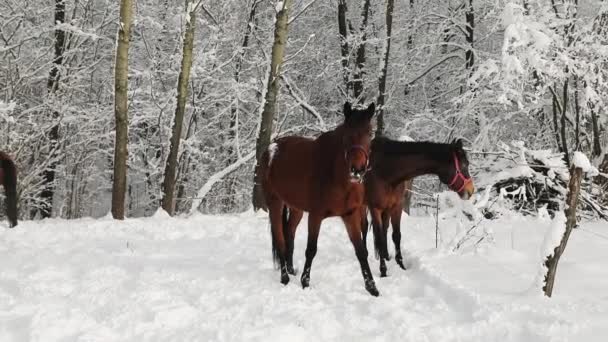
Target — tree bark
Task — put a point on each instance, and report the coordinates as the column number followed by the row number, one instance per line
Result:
column 470, row 29
column 343, row 31
column 270, row 99
column 360, row 67
column 551, row 262
column 168, row 201
column 121, row 86
column 563, row 124
column 383, row 72
column 53, row 85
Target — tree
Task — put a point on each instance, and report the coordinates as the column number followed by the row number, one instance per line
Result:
column 272, row 90
column 121, row 86
column 52, row 86
column 384, row 67
column 576, row 174
column 168, row 201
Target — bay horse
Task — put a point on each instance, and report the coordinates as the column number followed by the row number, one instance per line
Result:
column 394, row 162
column 324, row 177
column 8, row 179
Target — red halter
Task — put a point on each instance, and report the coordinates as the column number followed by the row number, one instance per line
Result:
column 459, row 176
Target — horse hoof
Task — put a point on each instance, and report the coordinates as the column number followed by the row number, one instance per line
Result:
column 284, row 279
column 383, row 274
column 370, row 286
column 400, row 262
column 305, row 282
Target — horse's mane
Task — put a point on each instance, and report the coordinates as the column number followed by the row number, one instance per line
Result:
column 393, row 147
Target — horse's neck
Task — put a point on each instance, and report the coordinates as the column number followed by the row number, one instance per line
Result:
column 412, row 162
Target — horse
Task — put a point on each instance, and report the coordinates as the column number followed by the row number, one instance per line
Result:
column 394, row 162
column 324, row 177
column 8, row 179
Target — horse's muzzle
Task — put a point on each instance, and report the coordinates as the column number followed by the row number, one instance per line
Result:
column 357, row 176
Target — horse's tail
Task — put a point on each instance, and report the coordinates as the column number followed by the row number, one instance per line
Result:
column 9, row 171
column 275, row 250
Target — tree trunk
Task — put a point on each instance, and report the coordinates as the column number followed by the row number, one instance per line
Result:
column 270, row 99
column 470, row 19
column 383, row 71
column 121, row 75
column 574, row 188
column 168, row 201
column 52, row 86
column 343, row 30
column 563, row 124
column 360, row 68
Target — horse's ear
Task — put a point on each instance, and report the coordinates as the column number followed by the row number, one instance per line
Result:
column 371, row 110
column 458, row 144
column 347, row 109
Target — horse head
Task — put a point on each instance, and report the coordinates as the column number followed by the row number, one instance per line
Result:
column 357, row 139
column 455, row 173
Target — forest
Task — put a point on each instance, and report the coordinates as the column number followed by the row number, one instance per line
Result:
column 506, row 76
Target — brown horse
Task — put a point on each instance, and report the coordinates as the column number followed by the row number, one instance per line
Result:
column 394, row 162
column 8, row 179
column 322, row 176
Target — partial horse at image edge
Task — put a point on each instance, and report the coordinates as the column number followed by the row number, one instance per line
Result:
column 8, row 179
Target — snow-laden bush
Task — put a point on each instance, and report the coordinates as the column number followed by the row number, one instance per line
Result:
column 530, row 181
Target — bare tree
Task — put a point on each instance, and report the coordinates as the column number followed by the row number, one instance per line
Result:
column 52, row 86
column 576, row 174
column 384, row 68
column 272, row 90
column 121, row 87
column 168, row 201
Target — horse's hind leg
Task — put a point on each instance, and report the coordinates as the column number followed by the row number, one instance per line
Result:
column 295, row 216
column 275, row 211
column 353, row 227
column 379, row 239
column 396, row 213
column 314, row 225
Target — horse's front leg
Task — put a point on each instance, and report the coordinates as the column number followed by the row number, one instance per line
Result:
column 353, row 227
column 314, row 225
column 380, row 239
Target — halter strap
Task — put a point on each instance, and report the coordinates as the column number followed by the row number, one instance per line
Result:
column 459, row 176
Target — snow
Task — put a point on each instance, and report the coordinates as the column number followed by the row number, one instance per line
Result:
column 279, row 6
column 211, row 278
column 579, row 159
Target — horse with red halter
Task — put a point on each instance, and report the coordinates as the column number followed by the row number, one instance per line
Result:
column 8, row 179
column 322, row 176
column 394, row 162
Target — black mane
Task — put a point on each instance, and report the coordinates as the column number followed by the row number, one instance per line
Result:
column 389, row 147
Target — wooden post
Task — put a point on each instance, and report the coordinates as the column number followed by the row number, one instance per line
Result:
column 576, row 174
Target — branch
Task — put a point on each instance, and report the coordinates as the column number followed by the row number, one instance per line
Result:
column 433, row 66
column 305, row 105
column 306, row 7
column 216, row 177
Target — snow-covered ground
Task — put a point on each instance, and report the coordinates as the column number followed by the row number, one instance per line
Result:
column 211, row 278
